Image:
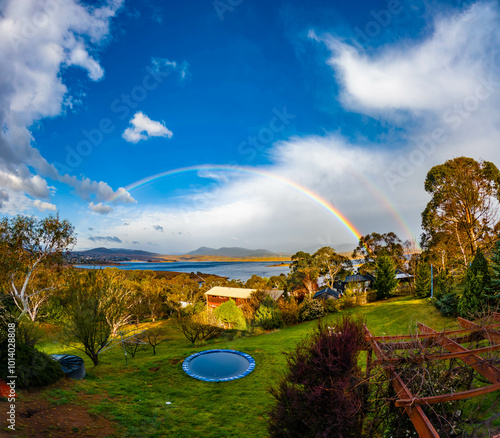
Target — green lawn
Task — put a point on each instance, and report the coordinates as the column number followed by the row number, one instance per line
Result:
column 136, row 397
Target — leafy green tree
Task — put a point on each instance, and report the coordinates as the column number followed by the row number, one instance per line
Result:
column 196, row 329
column 86, row 313
column 385, row 279
column 331, row 265
column 304, row 272
column 231, row 315
column 26, row 245
column 462, row 213
column 423, row 280
column 256, row 282
column 374, row 245
column 477, row 281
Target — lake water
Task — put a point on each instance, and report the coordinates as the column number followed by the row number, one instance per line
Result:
column 234, row 270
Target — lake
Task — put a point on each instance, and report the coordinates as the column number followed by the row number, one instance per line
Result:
column 234, row 270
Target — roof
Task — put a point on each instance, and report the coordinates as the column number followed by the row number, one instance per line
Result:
column 231, row 292
column 275, row 294
column 328, row 292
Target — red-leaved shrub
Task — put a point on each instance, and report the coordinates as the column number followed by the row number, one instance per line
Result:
column 323, row 393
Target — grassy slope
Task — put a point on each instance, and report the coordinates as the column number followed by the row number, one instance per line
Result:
column 136, row 396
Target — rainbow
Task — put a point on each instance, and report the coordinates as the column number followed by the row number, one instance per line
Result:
column 252, row 171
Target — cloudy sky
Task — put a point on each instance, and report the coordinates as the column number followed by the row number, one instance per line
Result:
column 286, row 125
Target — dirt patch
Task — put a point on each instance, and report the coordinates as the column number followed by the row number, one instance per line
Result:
column 176, row 360
column 37, row 417
column 40, row 419
column 154, row 369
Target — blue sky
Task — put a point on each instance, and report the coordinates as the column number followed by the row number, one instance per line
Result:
column 353, row 101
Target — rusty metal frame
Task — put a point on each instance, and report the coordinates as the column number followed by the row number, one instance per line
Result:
column 406, row 400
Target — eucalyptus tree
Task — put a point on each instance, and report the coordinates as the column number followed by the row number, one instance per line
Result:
column 27, row 245
column 331, row 264
column 304, row 272
column 463, row 213
column 374, row 245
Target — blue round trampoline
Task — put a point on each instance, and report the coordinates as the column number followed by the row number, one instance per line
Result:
column 218, row 365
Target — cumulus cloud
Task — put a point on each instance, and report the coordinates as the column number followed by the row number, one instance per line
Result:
column 38, row 40
column 111, row 239
column 143, row 128
column 100, row 208
column 158, row 228
column 44, row 206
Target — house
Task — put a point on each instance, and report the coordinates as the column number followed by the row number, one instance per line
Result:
column 218, row 295
column 358, row 282
column 355, row 282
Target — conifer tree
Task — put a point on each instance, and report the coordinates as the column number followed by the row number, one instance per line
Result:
column 385, row 280
column 423, row 280
column 493, row 291
column 477, row 283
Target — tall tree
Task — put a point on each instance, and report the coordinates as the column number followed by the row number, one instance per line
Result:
column 86, row 312
column 26, row 245
column 463, row 212
column 330, row 264
column 304, row 272
column 374, row 245
column 423, row 279
column 493, row 290
column 477, row 281
column 385, row 279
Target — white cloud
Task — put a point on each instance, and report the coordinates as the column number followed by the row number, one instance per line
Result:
column 432, row 74
column 143, row 128
column 44, row 206
column 37, row 41
column 165, row 65
column 100, row 208
column 24, row 182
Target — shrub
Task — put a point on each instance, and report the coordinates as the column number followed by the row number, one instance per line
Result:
column 310, row 309
column 194, row 330
column 331, row 306
column 289, row 311
column 268, row 317
column 33, row 368
column 447, row 304
column 322, row 393
column 348, row 300
column 231, row 315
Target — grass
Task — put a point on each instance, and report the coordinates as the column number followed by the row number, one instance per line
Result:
column 135, row 395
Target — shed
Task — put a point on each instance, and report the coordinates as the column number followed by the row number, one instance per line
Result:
column 218, row 295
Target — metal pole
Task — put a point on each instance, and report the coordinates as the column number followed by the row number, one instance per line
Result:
column 432, row 283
